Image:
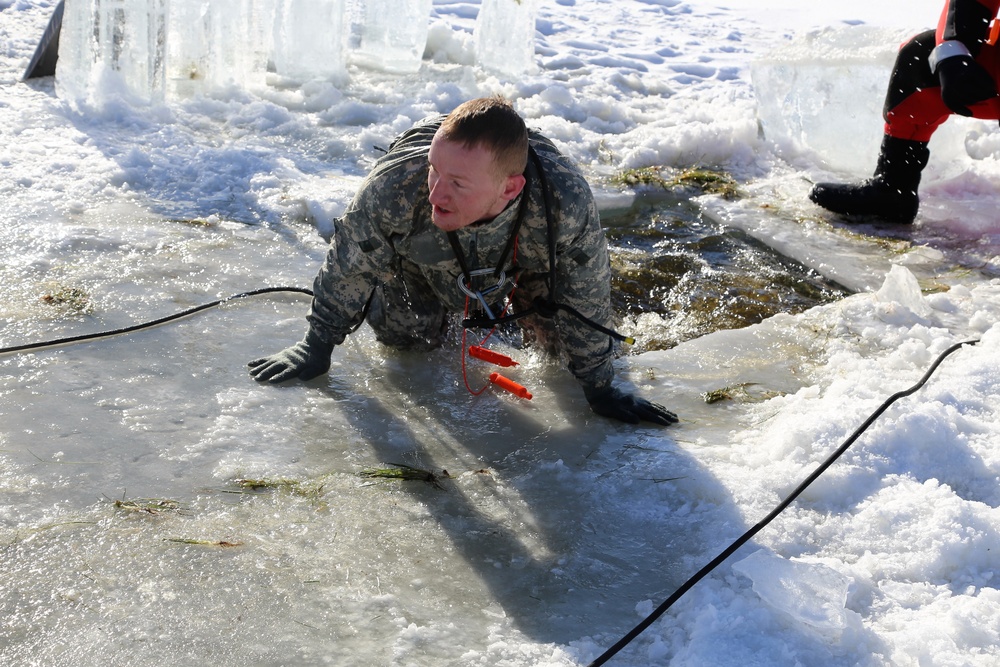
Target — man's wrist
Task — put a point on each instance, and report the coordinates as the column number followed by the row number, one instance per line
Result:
column 597, row 392
column 316, row 341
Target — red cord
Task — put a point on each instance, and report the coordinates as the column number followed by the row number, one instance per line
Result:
column 465, row 315
column 465, row 376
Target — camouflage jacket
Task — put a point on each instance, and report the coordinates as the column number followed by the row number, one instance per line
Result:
column 389, row 222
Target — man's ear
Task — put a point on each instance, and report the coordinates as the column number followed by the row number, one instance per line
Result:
column 513, row 186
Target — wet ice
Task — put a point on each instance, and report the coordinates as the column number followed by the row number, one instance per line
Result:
column 577, row 526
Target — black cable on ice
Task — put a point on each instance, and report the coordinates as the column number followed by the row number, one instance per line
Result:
column 747, row 536
column 148, row 325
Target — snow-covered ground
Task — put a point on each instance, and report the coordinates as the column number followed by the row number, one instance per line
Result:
column 556, row 531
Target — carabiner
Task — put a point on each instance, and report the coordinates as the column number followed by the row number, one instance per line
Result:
column 479, row 295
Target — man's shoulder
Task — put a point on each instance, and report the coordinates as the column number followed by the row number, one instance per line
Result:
column 406, row 157
column 407, row 152
column 560, row 173
column 419, row 135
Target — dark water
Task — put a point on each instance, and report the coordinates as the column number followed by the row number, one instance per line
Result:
column 668, row 260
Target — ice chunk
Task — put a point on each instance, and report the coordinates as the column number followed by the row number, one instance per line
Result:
column 238, row 41
column 309, row 39
column 392, row 34
column 504, row 36
column 156, row 48
column 76, row 51
column 133, row 41
column 189, row 29
column 824, row 92
column 216, row 44
column 122, row 42
column 901, row 287
column 811, row 593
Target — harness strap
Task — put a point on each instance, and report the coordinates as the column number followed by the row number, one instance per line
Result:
column 550, row 222
column 541, row 306
column 456, row 248
column 546, row 309
column 522, row 211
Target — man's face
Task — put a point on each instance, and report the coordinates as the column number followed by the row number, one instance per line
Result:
column 464, row 186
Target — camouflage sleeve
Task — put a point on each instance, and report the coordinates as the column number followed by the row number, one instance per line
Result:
column 359, row 254
column 362, row 251
column 583, row 276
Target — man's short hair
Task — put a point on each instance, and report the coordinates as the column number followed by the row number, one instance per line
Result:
column 493, row 123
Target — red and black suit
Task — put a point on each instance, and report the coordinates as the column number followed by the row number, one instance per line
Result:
column 951, row 70
column 914, row 106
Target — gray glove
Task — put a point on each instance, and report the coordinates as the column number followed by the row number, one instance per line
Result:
column 305, row 360
column 614, row 403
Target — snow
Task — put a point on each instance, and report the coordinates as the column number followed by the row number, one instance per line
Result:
column 558, row 531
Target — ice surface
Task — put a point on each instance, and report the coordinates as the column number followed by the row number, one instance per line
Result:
column 855, row 263
column 392, row 34
column 541, row 559
column 505, row 36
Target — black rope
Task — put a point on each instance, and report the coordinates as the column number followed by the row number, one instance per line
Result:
column 747, row 536
column 546, row 309
column 149, row 325
column 550, row 220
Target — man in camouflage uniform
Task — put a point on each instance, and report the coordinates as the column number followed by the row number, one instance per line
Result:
column 461, row 201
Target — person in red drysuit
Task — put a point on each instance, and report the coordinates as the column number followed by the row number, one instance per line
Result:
column 953, row 70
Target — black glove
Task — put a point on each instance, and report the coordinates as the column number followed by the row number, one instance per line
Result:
column 614, row 403
column 964, row 82
column 305, row 360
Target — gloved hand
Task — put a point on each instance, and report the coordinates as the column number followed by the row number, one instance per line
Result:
column 964, row 82
column 614, row 403
column 305, row 360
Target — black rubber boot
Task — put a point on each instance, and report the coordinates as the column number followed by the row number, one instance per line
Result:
column 890, row 194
